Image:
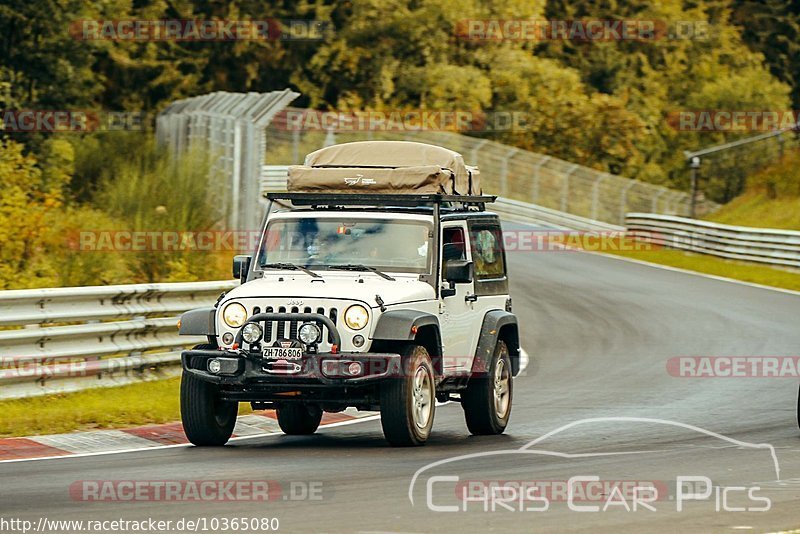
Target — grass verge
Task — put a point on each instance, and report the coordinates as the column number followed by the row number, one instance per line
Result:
column 102, row 408
column 747, row 272
column 755, row 209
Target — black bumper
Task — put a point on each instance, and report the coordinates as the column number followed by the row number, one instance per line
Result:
column 246, row 371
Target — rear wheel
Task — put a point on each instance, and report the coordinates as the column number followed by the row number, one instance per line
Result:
column 798, row 409
column 487, row 399
column 408, row 402
column 297, row 419
column 207, row 419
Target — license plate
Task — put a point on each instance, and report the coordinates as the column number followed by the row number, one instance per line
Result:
column 281, row 353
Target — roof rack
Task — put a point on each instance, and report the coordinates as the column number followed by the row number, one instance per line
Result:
column 378, row 199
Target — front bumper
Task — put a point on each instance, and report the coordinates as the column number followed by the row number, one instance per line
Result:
column 246, row 370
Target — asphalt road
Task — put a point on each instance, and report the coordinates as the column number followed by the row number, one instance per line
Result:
column 600, row 332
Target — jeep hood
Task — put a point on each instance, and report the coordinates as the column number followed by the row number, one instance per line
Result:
column 335, row 285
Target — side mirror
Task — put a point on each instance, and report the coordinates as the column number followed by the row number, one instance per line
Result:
column 241, row 264
column 458, row 271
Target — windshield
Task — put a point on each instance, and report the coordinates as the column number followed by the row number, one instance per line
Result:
column 323, row 243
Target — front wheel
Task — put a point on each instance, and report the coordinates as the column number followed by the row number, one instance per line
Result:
column 297, row 419
column 487, row 399
column 207, row 419
column 408, row 402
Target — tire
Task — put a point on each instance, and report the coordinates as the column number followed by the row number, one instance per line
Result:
column 207, row 420
column 297, row 419
column 798, row 409
column 487, row 399
column 408, row 402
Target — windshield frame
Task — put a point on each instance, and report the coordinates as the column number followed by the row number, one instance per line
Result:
column 420, row 220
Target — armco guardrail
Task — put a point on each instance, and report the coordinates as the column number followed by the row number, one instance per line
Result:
column 773, row 247
column 126, row 333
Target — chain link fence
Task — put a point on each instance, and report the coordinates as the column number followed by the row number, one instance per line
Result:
column 508, row 172
column 228, row 129
column 723, row 169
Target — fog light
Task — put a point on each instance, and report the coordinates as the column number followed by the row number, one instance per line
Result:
column 227, row 338
column 214, row 366
column 251, row 332
column 309, row 333
column 358, row 340
column 354, row 369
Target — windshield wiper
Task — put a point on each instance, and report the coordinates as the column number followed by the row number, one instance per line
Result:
column 360, row 267
column 290, row 267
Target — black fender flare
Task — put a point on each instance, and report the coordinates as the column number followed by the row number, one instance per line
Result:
column 400, row 325
column 495, row 322
column 403, row 325
column 198, row 322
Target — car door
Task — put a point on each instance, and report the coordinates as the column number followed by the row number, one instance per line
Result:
column 490, row 270
column 456, row 308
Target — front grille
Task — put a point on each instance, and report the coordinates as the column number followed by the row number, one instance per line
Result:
column 274, row 330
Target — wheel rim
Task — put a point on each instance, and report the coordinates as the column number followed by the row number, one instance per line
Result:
column 422, row 398
column 502, row 388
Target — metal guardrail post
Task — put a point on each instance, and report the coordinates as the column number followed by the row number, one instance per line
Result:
column 693, row 165
column 596, row 195
column 504, row 171
column 565, row 187
column 537, row 168
column 623, row 201
column 473, row 153
column 654, row 207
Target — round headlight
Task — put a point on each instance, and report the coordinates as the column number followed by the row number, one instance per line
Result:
column 252, row 333
column 234, row 315
column 356, row 317
column 309, row 333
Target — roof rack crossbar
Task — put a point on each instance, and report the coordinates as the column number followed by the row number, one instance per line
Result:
column 378, row 199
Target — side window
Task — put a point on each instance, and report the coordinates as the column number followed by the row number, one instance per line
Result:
column 454, row 244
column 487, row 251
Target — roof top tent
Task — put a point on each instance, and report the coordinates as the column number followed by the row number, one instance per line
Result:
column 370, row 167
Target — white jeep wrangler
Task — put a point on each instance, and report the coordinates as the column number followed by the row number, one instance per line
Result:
column 362, row 298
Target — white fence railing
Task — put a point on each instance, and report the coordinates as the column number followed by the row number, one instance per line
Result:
column 80, row 337
column 773, row 247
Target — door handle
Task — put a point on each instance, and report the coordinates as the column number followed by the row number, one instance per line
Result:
column 471, row 298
